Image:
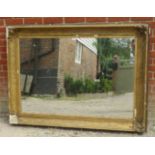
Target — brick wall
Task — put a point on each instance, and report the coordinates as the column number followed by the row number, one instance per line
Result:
column 67, row 65
column 83, row 20
column 88, row 66
column 48, row 54
column 45, row 71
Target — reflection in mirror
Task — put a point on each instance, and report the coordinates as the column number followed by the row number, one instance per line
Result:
column 78, row 76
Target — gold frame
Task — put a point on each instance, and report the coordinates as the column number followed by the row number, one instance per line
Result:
column 139, row 31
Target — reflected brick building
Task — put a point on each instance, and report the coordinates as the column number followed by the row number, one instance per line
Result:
column 49, row 60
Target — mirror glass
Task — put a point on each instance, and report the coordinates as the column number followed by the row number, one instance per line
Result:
column 92, row 77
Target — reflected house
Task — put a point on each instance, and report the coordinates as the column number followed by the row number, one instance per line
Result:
column 45, row 62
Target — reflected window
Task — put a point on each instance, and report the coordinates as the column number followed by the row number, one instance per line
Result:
column 78, row 53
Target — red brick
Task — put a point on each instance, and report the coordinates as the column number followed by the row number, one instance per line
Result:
column 1, row 68
column 118, row 19
column 153, row 75
column 5, row 67
column 2, row 29
column 3, row 56
column 3, row 62
column 95, row 19
column 1, row 22
column 152, row 40
column 150, row 75
column 33, row 20
column 2, row 49
column 3, row 80
column 151, row 61
column 74, row 19
column 151, row 68
column 153, row 47
column 141, row 18
column 14, row 21
column 152, row 54
column 151, row 24
column 2, row 42
column 52, row 20
column 2, row 36
column 3, row 74
column 151, row 82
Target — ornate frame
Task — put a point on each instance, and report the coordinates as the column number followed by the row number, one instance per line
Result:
column 139, row 31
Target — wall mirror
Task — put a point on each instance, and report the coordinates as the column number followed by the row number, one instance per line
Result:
column 78, row 76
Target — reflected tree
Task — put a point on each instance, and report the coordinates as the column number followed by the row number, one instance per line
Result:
column 108, row 48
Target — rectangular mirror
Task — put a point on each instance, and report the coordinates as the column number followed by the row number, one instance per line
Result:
column 82, row 77
column 78, row 76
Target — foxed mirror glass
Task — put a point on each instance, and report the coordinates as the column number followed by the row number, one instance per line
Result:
column 83, row 76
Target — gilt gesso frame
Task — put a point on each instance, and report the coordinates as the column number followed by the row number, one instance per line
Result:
column 139, row 31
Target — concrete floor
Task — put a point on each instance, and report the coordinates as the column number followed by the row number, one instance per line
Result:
column 113, row 106
column 7, row 130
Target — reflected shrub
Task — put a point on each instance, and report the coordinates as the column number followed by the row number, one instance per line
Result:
column 69, row 84
column 105, row 85
column 89, row 86
column 77, row 86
